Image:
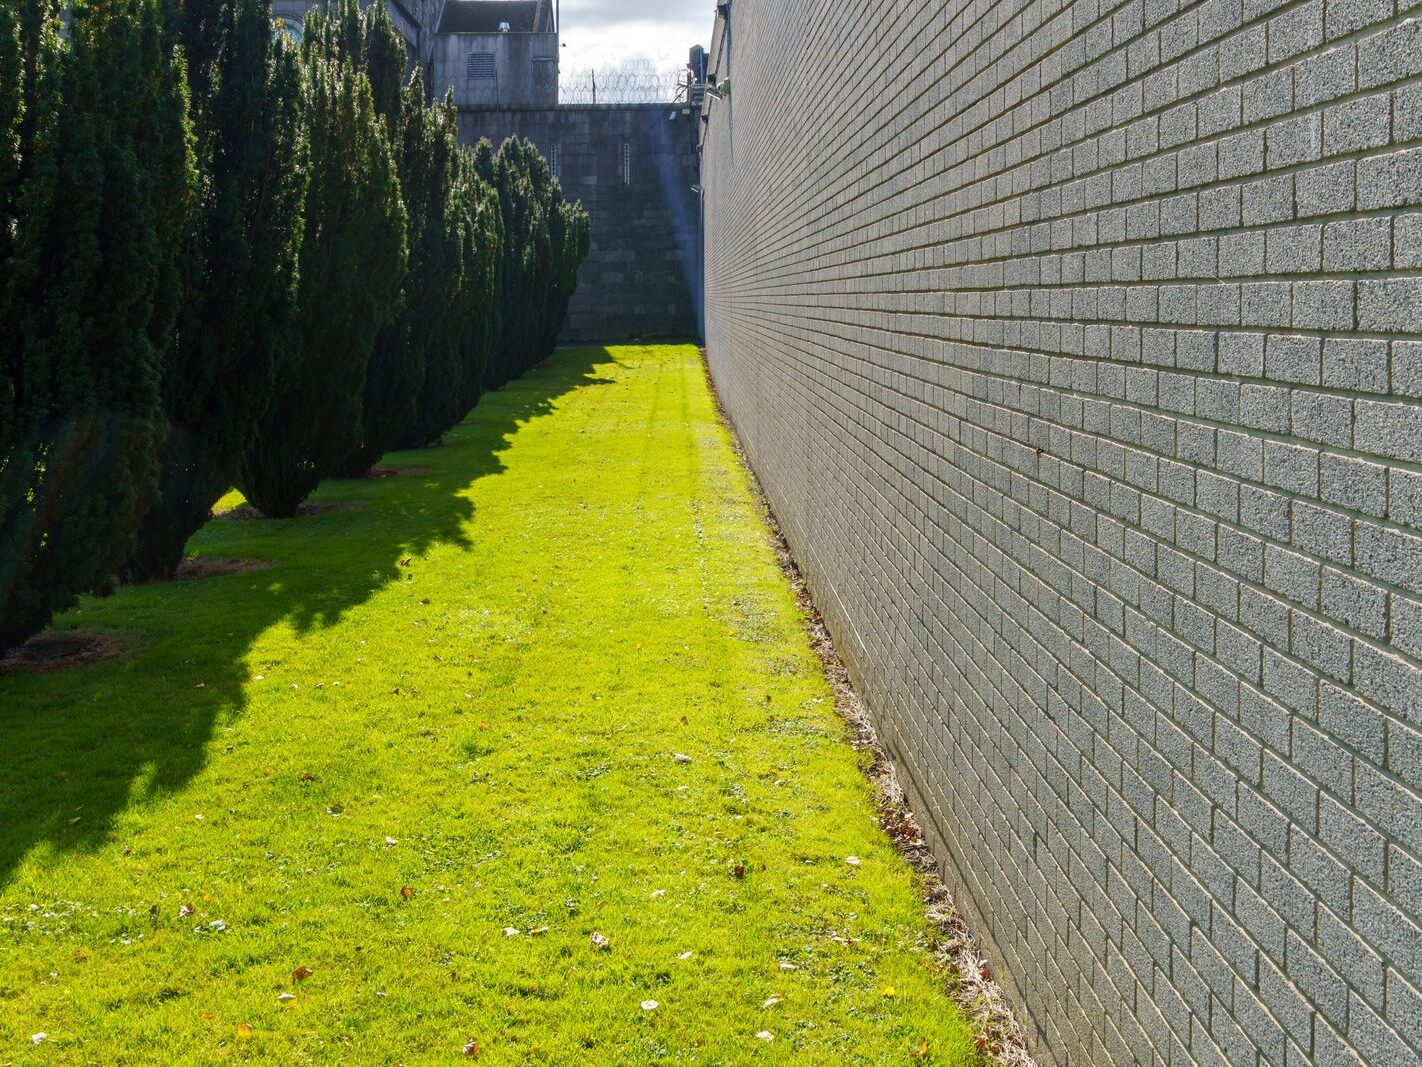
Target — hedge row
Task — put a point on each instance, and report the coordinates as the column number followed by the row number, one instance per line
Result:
column 226, row 259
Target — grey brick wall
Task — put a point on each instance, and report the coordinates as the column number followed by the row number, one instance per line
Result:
column 632, row 166
column 1078, row 345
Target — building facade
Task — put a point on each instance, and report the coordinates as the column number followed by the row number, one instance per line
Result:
column 1078, row 347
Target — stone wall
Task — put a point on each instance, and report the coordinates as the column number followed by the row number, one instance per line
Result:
column 1078, row 345
column 633, row 168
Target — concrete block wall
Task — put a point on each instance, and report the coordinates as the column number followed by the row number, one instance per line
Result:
column 633, row 167
column 1078, row 345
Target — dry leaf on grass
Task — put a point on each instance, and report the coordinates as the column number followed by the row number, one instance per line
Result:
column 302, row 973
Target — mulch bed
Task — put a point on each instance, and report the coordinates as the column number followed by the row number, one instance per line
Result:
column 246, row 511
column 52, row 652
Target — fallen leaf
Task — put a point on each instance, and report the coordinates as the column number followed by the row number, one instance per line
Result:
column 685, row 721
column 538, row 931
column 39, row 1039
column 267, row 771
column 511, row 931
column 921, row 1053
column 765, row 1035
column 483, row 725
column 788, row 966
column 600, row 943
column 681, row 757
column 889, row 991
column 307, row 776
column 302, row 973
column 424, row 600
column 684, row 956
column 853, row 861
column 200, row 685
column 283, row 998
column 243, row 1030
column 772, row 1000
column 335, row 809
column 405, row 562
column 738, row 871
column 471, row 1049
column 658, row 893
column 76, row 820
column 407, row 893
column 392, row 840
column 649, row 1005
column 186, row 910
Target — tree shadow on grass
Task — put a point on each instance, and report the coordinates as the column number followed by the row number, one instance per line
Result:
column 78, row 748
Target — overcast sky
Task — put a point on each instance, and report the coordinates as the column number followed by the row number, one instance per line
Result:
column 605, row 33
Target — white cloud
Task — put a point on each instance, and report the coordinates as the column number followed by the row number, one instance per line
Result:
column 609, row 33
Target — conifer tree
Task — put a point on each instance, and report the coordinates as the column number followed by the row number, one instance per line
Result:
column 483, row 253
column 546, row 240
column 448, row 290
column 104, row 191
column 352, row 263
column 240, row 276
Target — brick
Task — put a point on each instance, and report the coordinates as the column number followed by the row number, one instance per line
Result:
column 1078, row 348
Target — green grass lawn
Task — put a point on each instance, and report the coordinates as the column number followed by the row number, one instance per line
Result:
column 554, row 687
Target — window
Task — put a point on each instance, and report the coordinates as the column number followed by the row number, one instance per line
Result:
column 626, row 162
column 481, row 66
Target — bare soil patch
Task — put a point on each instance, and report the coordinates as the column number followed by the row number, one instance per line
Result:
column 396, row 472
column 55, row 651
column 198, row 567
column 246, row 511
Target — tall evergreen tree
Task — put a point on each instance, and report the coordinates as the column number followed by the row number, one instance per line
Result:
column 240, row 277
column 483, row 251
column 397, row 363
column 352, row 263
column 105, row 186
column 447, row 288
column 569, row 241
column 545, row 241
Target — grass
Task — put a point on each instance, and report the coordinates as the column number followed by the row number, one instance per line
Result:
column 556, row 686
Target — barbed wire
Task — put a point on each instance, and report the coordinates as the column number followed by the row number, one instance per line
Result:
column 635, row 83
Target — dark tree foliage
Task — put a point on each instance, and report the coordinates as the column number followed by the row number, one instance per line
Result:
column 352, row 264
column 483, row 253
column 570, row 240
column 397, row 363
column 102, row 185
column 450, row 300
column 240, row 273
column 545, row 241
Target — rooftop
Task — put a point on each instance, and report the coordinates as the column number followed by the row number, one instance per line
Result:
column 485, row 16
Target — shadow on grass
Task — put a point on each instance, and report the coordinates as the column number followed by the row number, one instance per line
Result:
column 79, row 748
